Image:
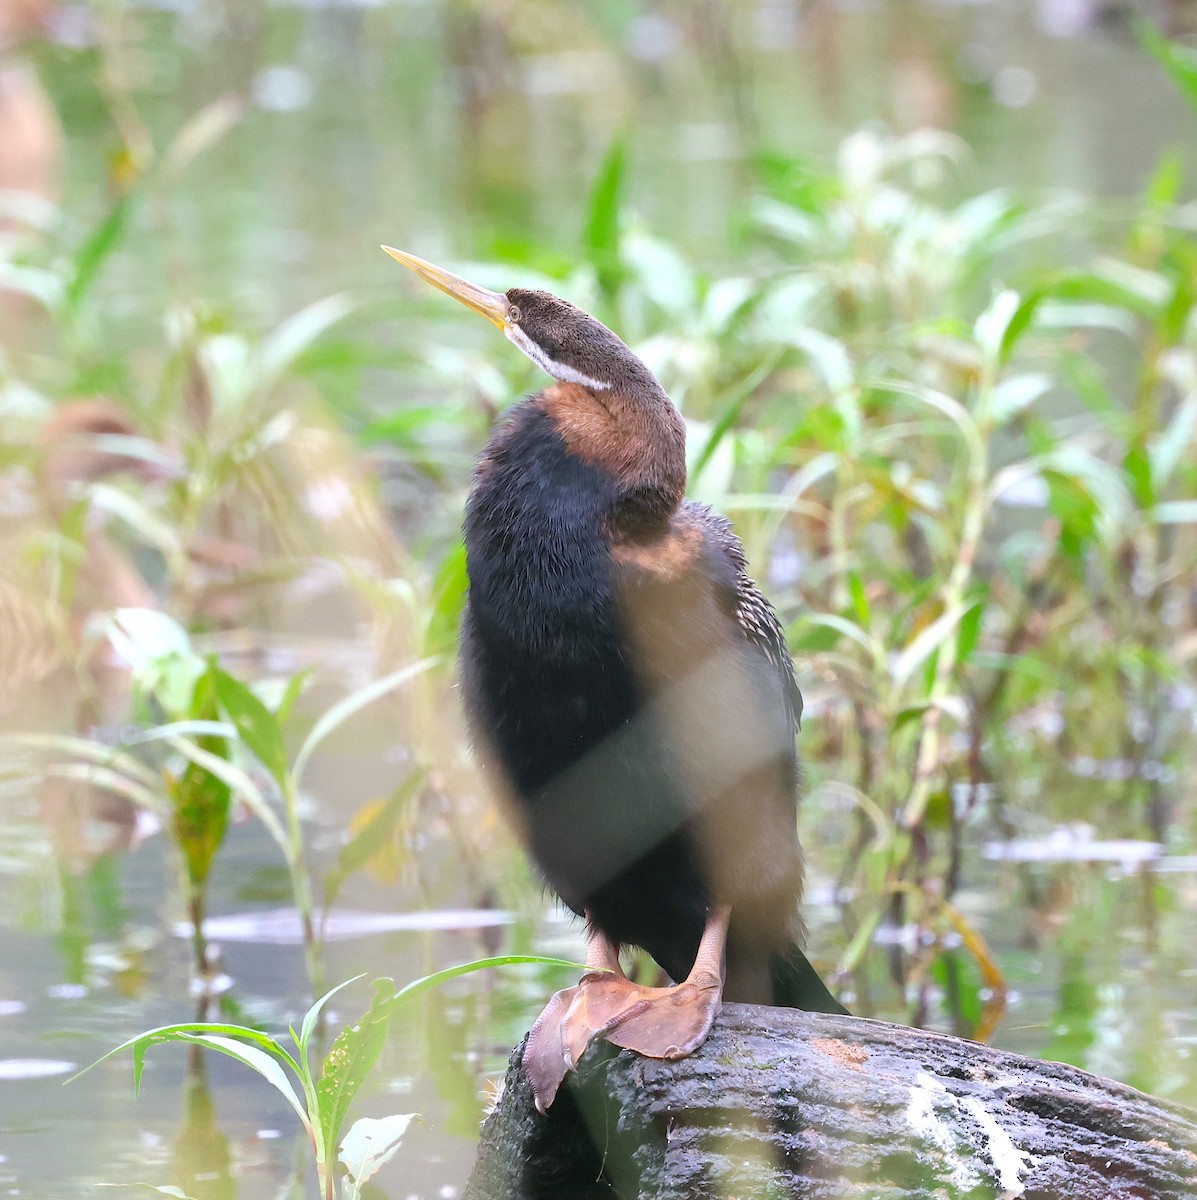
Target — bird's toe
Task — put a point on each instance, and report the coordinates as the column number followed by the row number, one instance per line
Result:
column 546, row 1059
column 666, row 1023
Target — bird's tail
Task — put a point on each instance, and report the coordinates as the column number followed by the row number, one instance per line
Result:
column 797, row 985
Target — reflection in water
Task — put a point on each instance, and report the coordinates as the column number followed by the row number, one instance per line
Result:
column 201, row 1159
column 282, row 927
column 34, row 1068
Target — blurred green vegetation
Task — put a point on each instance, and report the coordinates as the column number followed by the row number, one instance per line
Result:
column 956, row 428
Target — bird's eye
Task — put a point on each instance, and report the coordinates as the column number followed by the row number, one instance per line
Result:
column 513, row 315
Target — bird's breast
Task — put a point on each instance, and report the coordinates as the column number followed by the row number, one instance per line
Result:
column 539, row 568
column 543, row 666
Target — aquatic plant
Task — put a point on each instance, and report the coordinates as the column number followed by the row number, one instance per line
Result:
column 326, row 1089
column 959, row 437
column 209, row 722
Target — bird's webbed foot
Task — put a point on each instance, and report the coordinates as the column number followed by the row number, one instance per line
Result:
column 668, row 1022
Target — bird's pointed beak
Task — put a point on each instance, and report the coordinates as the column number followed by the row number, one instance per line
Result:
column 494, row 306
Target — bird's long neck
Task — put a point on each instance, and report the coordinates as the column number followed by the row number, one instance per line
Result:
column 569, row 472
column 635, row 437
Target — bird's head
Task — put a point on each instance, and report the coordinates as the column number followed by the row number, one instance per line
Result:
column 561, row 339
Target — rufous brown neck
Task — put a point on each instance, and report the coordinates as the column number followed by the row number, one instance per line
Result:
column 637, row 439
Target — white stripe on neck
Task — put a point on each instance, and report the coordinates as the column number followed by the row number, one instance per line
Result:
column 561, row 371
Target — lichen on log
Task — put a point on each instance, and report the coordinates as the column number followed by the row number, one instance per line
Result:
column 783, row 1104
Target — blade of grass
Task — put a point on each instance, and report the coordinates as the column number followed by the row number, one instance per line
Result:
column 165, row 1033
column 344, row 709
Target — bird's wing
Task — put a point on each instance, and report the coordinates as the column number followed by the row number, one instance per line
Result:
column 742, row 600
column 688, row 593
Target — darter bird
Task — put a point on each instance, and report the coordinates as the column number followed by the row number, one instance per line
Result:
column 631, row 689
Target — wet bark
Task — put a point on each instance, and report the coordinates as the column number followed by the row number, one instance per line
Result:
column 782, row 1104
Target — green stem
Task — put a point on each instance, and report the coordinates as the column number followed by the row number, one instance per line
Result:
column 837, row 537
column 954, row 593
column 928, row 754
column 196, row 910
column 301, row 889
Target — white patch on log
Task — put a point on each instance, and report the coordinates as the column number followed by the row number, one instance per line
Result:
column 922, row 1118
column 1008, row 1160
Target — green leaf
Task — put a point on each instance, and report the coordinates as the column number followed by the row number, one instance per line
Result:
column 293, row 690
column 350, row 1061
column 285, row 344
column 828, row 356
column 969, row 632
column 448, row 599
column 163, row 733
column 258, row 1061
column 177, row 1033
column 732, row 408
column 1018, row 323
column 1075, row 509
column 158, row 652
column 1178, row 60
column 831, row 622
column 199, row 798
column 727, row 301
column 911, row 712
column 1016, row 393
column 941, row 403
column 1163, row 189
column 353, row 704
column 365, row 844
column 240, row 783
column 860, row 601
column 663, row 275
column 811, row 637
column 312, row 1015
column 1172, row 446
column 91, row 256
column 924, row 644
column 138, row 516
column 1126, row 288
column 1137, row 466
column 1109, row 502
column 153, row 634
column 411, row 990
column 602, row 233
column 199, row 820
column 256, row 724
column 96, row 752
column 369, row 1144
column 1175, row 317
column 992, row 328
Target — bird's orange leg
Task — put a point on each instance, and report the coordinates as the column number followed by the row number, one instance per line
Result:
column 669, row 1022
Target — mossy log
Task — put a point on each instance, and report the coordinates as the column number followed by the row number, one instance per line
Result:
column 781, row 1104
